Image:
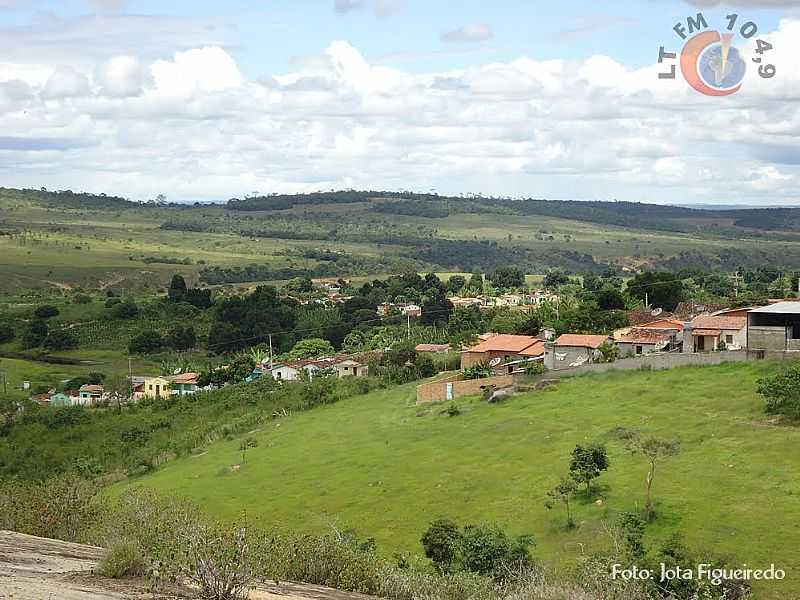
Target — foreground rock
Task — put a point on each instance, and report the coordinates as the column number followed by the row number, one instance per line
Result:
column 33, row 568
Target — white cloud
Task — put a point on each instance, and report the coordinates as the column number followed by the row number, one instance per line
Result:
column 472, row 32
column 66, row 82
column 193, row 126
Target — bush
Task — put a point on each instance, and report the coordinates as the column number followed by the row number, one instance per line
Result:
column 62, row 507
column 60, row 339
column 123, row 310
column 82, row 299
column 45, row 311
column 781, row 392
column 124, row 559
column 146, row 342
column 7, row 333
column 35, row 334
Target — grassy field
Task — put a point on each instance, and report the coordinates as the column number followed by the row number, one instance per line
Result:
column 387, row 468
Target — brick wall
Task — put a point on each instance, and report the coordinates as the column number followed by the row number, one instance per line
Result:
column 437, row 390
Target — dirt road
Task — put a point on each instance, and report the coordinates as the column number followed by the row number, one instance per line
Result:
column 34, row 568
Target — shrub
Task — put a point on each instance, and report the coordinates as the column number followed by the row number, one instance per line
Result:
column 82, row 299
column 35, row 334
column 60, row 339
column 781, row 392
column 7, row 333
column 124, row 559
column 62, row 507
column 45, row 311
column 123, row 310
column 146, row 342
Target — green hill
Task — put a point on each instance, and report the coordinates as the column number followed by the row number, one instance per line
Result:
column 386, row 468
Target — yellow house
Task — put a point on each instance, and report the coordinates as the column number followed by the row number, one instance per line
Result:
column 156, row 387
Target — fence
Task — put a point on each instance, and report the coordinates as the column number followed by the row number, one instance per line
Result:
column 456, row 386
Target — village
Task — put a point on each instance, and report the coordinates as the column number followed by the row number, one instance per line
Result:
column 496, row 360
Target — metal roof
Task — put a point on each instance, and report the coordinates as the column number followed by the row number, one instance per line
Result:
column 780, row 308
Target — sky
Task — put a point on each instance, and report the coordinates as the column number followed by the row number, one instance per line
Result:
column 204, row 100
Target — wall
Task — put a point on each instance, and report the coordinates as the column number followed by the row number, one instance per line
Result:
column 573, row 353
column 766, row 338
column 670, row 360
column 437, row 391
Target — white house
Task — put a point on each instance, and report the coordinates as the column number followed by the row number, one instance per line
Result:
column 710, row 332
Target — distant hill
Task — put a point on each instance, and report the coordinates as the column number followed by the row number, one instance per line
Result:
column 623, row 214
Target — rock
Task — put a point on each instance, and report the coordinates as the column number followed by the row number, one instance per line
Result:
column 500, row 395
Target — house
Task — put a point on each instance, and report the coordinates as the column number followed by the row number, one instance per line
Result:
column 284, row 372
column 183, row 384
column 573, row 350
column 90, row 394
column 671, row 328
column 709, row 332
column 640, row 340
column 351, row 368
column 60, row 399
column 501, row 349
column 411, row 310
column 774, row 328
column 433, row 348
column 156, row 387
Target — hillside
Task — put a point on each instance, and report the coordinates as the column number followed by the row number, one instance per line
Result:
column 32, row 568
column 386, row 468
column 66, row 241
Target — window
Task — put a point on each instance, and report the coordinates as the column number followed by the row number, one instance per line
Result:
column 638, row 349
column 728, row 339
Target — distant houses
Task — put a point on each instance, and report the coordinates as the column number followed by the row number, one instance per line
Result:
column 504, row 353
column 573, row 350
column 341, row 366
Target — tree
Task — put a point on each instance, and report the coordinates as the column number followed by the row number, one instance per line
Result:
column 609, row 352
column 35, row 334
column 659, row 289
column 60, row 339
column 653, row 450
column 177, row 288
column 781, row 392
column 587, row 463
column 562, row 493
column 610, row 298
column 7, row 333
column 555, row 278
column 181, row 338
column 45, row 311
column 146, row 342
column 456, row 283
column 436, row 309
column 124, row 310
column 508, row 277
column 475, row 284
column 488, row 550
column 311, row 348
column 441, row 542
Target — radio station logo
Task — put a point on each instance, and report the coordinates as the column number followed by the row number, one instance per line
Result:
column 709, row 60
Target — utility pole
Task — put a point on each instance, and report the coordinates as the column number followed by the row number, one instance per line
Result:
column 270, row 351
column 408, row 326
column 130, row 378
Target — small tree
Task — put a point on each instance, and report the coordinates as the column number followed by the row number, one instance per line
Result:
column 563, row 493
column 35, row 334
column 782, row 392
column 311, row 348
column 177, row 288
column 60, row 339
column 587, row 463
column 609, row 352
column 246, row 444
column 653, row 450
column 45, row 311
column 146, row 342
column 441, row 543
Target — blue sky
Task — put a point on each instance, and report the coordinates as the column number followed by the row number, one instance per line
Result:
column 207, row 100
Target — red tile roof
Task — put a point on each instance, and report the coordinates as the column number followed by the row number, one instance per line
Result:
column 186, row 378
column 639, row 335
column 536, row 350
column 710, row 322
column 581, row 341
column 505, row 343
column 92, row 389
column 663, row 324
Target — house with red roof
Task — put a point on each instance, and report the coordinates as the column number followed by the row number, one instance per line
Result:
column 504, row 352
column 712, row 332
column 573, row 350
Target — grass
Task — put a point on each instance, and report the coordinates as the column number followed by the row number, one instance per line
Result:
column 387, row 468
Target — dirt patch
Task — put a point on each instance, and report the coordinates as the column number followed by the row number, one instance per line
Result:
column 33, row 568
